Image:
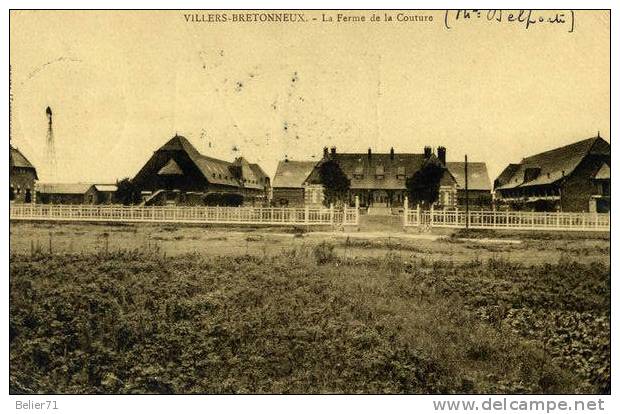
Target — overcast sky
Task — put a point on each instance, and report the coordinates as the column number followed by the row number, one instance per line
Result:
column 121, row 84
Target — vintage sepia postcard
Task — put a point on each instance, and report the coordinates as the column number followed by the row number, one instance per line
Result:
column 311, row 202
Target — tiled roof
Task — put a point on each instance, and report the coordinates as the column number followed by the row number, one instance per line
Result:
column 477, row 175
column 214, row 170
column 17, row 159
column 379, row 171
column 106, row 187
column 63, row 188
column 292, row 174
column 554, row 164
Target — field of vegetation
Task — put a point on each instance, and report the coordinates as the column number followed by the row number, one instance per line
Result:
column 321, row 317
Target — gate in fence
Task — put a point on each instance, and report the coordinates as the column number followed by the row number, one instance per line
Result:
column 346, row 216
column 517, row 220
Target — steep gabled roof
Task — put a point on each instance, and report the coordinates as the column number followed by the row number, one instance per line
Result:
column 554, row 164
column 249, row 179
column 292, row 174
column 603, row 173
column 171, row 168
column 477, row 175
column 214, row 170
column 259, row 172
column 17, row 159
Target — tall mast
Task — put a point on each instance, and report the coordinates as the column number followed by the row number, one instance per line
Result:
column 51, row 151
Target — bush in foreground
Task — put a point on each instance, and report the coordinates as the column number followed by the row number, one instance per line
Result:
column 136, row 323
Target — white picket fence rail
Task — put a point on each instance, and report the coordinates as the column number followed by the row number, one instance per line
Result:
column 180, row 214
column 517, row 220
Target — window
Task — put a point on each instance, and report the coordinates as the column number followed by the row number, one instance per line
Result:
column 400, row 173
column 379, row 172
column 359, row 172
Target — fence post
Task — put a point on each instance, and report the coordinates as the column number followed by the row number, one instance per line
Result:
column 596, row 220
column 406, row 211
column 417, row 213
column 430, row 222
column 331, row 213
column 306, row 214
column 357, row 210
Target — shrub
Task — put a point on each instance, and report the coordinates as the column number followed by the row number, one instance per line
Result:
column 324, row 253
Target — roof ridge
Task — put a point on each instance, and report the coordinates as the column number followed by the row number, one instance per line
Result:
column 563, row 147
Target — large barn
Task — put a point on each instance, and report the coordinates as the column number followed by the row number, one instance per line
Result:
column 22, row 177
column 178, row 174
column 575, row 177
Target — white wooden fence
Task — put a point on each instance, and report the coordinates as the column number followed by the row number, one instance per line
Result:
column 517, row 220
column 178, row 214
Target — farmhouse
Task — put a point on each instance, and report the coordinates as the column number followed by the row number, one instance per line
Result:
column 288, row 183
column 178, row 174
column 575, row 177
column 379, row 179
column 22, row 177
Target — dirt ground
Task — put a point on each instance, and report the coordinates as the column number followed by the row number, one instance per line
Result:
column 440, row 245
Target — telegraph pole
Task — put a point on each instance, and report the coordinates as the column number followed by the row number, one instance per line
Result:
column 466, row 196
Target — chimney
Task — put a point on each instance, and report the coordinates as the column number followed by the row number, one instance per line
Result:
column 392, row 153
column 441, row 154
column 325, row 152
column 428, row 151
column 369, row 153
column 333, row 151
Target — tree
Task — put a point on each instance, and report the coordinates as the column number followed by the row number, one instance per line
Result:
column 127, row 192
column 335, row 183
column 423, row 186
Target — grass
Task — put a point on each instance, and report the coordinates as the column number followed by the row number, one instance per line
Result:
column 306, row 319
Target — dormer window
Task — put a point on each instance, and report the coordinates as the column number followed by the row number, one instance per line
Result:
column 379, row 172
column 359, row 172
column 531, row 173
column 400, row 173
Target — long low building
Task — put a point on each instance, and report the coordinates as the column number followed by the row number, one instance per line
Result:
column 178, row 174
column 75, row 193
column 575, row 177
column 379, row 179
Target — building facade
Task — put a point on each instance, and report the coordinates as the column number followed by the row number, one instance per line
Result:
column 572, row 178
column 379, row 179
column 22, row 177
column 479, row 193
column 101, row 194
column 178, row 174
column 62, row 193
column 288, row 184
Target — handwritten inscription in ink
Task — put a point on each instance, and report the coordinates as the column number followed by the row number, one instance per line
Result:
column 525, row 18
